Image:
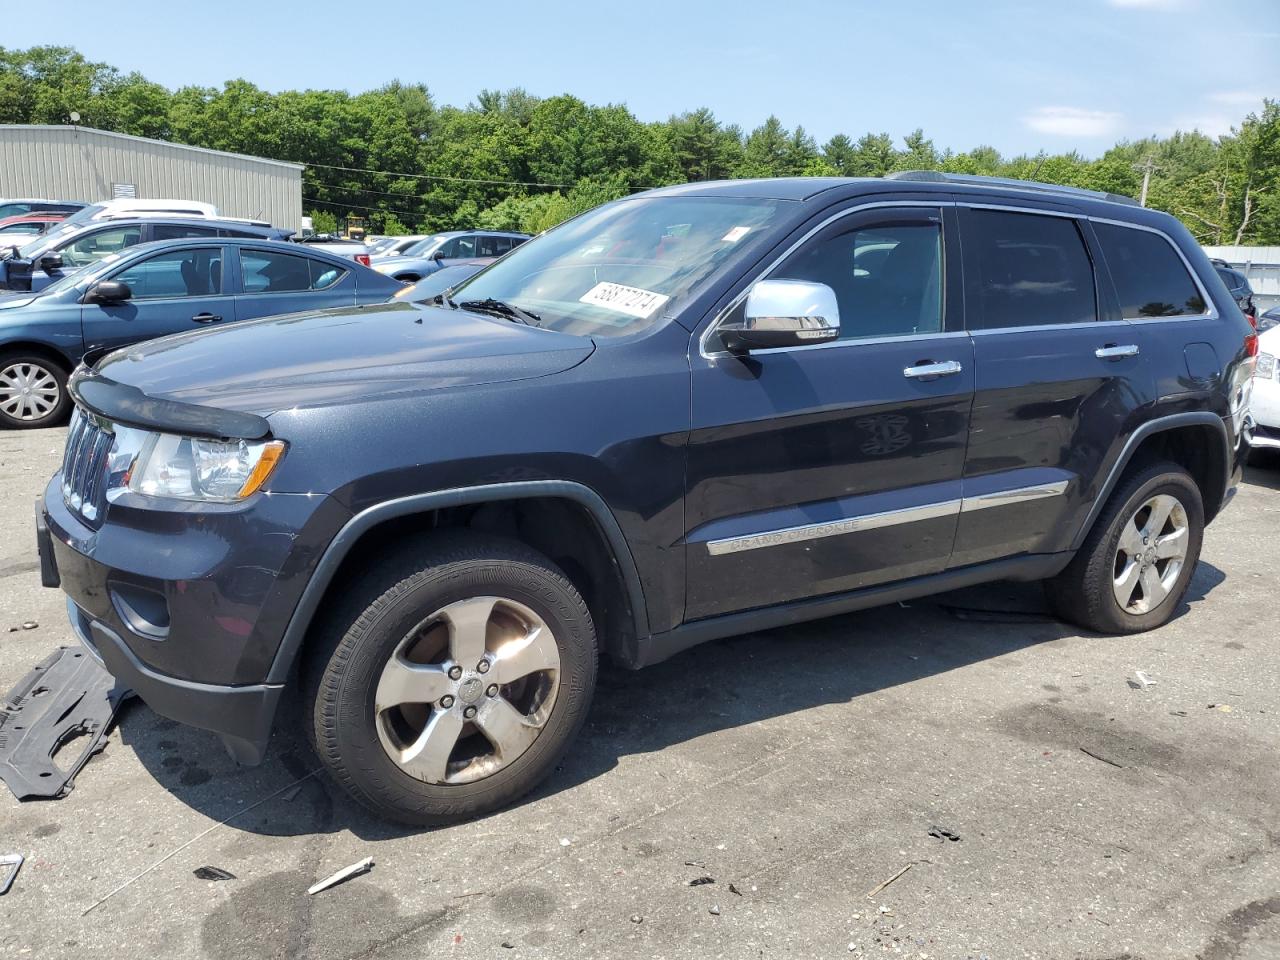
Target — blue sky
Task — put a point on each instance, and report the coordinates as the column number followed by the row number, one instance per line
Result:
column 1020, row 75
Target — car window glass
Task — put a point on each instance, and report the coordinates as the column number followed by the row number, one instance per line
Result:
column 274, row 272
column 887, row 279
column 94, row 246
column 325, row 275
column 1150, row 277
column 176, row 231
column 1031, row 269
column 176, row 273
column 486, row 246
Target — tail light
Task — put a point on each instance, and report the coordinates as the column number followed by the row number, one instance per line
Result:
column 363, row 260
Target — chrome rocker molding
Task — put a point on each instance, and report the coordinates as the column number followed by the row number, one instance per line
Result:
column 872, row 521
column 461, row 496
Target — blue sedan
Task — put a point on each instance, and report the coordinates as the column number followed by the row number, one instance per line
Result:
column 154, row 289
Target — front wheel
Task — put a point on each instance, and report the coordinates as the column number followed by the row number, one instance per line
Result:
column 33, row 391
column 1134, row 567
column 454, row 679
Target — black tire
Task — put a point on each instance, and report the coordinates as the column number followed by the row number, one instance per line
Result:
column 1083, row 593
column 354, row 645
column 38, row 364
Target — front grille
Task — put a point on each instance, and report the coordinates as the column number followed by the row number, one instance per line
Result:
column 84, row 467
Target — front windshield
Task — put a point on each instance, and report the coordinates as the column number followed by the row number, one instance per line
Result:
column 616, row 269
column 423, row 248
column 84, row 214
column 83, row 277
column 33, row 248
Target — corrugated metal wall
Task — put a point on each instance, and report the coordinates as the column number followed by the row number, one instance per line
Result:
column 78, row 163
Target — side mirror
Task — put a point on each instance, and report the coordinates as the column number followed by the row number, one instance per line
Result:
column 784, row 313
column 438, row 255
column 108, row 291
column 51, row 262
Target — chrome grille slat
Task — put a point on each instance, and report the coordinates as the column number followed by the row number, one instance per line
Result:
column 84, row 466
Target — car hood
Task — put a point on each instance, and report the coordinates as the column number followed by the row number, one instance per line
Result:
column 341, row 356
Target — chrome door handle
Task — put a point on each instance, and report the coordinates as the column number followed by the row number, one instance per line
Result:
column 205, row 318
column 1116, row 352
column 944, row 369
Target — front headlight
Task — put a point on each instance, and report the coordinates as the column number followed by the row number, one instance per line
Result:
column 1265, row 367
column 187, row 468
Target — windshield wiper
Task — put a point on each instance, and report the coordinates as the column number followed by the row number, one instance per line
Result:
column 502, row 309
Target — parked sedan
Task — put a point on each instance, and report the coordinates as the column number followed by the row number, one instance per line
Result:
column 10, row 207
column 154, row 289
column 445, row 250
column 73, row 245
column 26, row 225
column 1264, row 408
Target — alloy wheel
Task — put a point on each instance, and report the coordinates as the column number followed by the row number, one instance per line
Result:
column 467, row 691
column 1151, row 554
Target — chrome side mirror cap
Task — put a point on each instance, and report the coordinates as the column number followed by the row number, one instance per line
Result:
column 784, row 313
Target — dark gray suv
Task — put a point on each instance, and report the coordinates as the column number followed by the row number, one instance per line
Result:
column 695, row 412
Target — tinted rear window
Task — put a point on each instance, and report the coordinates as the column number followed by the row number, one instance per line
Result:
column 1032, row 269
column 1150, row 277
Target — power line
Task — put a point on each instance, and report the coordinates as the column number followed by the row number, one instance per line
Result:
column 360, row 206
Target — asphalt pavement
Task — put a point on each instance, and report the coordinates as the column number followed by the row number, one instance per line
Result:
column 1022, row 791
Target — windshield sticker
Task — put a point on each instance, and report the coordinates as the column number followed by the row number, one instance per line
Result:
column 736, row 234
column 620, row 298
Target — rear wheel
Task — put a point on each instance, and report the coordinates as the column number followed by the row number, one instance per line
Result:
column 454, row 680
column 33, row 391
column 1134, row 567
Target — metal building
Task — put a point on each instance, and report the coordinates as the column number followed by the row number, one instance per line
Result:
column 80, row 163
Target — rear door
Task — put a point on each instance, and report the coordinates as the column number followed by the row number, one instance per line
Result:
column 274, row 282
column 821, row 469
column 172, row 291
column 1060, row 375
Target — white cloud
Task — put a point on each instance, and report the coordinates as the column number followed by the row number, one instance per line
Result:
column 1072, row 122
column 1237, row 98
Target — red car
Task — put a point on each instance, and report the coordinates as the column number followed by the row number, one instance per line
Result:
column 30, row 224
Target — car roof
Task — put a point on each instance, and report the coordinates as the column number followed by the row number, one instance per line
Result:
column 259, row 243
column 205, row 222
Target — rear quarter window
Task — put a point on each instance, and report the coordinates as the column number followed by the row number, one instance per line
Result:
column 1150, row 277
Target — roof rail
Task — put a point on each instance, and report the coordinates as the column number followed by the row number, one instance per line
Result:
column 937, row 176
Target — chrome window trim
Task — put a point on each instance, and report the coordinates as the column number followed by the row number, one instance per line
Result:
column 1011, row 207
column 1210, row 314
column 839, row 215
column 888, row 518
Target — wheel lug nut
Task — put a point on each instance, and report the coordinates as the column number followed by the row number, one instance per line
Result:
column 469, row 712
column 482, row 666
column 446, row 702
column 455, row 673
column 493, row 690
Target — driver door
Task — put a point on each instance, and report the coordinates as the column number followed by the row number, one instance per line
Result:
column 172, row 291
column 825, row 468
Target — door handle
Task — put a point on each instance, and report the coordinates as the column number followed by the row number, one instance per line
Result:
column 944, row 369
column 205, row 318
column 1114, row 351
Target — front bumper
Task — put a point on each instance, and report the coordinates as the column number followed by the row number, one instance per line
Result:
column 187, row 603
column 1264, row 412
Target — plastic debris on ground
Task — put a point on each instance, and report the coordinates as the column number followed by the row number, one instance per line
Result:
column 66, row 697
column 346, row 873
column 212, row 873
column 10, row 864
column 702, row 881
column 941, row 834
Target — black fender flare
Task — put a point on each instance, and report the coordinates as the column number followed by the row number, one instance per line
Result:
column 1196, row 418
column 366, row 519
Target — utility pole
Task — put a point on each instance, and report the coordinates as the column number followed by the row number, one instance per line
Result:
column 1147, row 167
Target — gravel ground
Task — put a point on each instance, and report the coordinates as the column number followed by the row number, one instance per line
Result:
column 800, row 768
